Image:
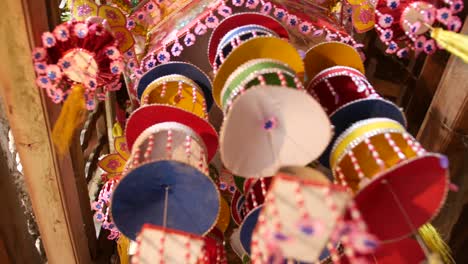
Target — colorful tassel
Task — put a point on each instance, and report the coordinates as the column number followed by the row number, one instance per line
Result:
column 436, row 244
column 455, row 43
column 117, row 130
column 123, row 245
column 71, row 117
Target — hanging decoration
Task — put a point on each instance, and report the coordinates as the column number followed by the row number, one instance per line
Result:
column 289, row 80
column 77, row 63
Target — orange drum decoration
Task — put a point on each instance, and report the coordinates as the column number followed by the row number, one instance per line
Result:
column 382, row 163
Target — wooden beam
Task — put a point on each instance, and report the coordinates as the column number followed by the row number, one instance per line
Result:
column 50, row 182
column 16, row 243
column 445, row 130
column 420, row 92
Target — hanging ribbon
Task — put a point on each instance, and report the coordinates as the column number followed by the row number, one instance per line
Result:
column 71, row 117
column 455, row 43
column 434, row 241
column 123, row 245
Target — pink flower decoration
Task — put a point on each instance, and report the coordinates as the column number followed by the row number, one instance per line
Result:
column 80, row 30
column 130, row 24
column 392, row 47
column 403, row 53
column 151, row 63
column 90, row 103
column 456, row 6
column 163, row 56
column 385, row 20
column 393, row 4
column 266, row 8
column 116, row 67
column 292, row 20
column 96, row 206
column 140, row 16
column 224, row 10
column 65, row 63
column 305, row 27
column 211, row 21
column 40, row 67
column 61, row 33
column 44, row 82
column 54, row 73
column 129, row 54
column 48, row 40
column 386, row 35
column 189, row 39
column 39, row 54
column 91, row 83
column 112, row 53
column 149, row 7
column 56, row 95
column 177, row 49
column 419, row 43
column 280, row 13
column 454, row 24
column 132, row 64
column 443, row 15
column 429, row 15
column 238, row 2
column 430, row 46
column 200, row 29
column 252, row 4
column 99, row 216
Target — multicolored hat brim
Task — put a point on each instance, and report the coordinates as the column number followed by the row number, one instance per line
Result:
column 192, row 206
column 149, row 115
column 238, row 20
column 359, row 110
column 182, row 68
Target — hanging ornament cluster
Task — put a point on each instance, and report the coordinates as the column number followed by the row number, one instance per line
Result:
column 173, row 192
column 113, row 166
column 164, row 46
column 405, row 25
column 78, row 53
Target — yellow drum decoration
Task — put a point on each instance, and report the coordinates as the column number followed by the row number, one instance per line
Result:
column 381, row 162
column 368, row 148
column 176, row 90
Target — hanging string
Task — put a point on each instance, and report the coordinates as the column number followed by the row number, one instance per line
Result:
column 166, row 199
